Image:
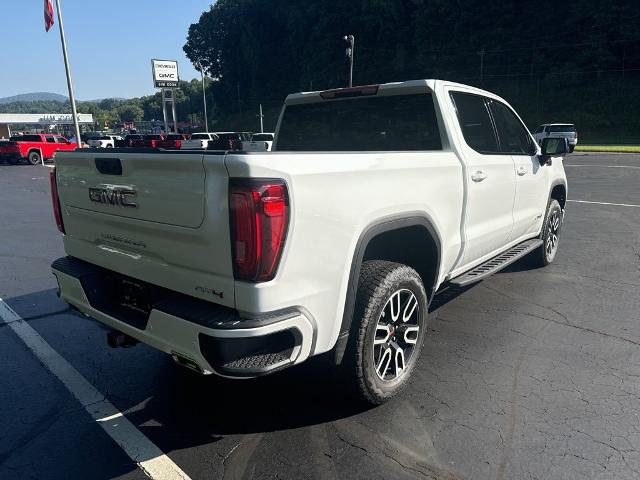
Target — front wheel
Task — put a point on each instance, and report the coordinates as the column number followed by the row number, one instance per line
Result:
column 34, row 158
column 550, row 234
column 390, row 322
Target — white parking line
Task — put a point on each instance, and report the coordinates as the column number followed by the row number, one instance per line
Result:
column 604, row 166
column 140, row 449
column 606, row 203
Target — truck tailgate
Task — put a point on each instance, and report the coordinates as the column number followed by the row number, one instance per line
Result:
column 161, row 217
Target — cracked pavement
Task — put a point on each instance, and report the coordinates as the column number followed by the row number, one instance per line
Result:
column 532, row 373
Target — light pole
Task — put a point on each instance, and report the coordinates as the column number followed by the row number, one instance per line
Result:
column 482, row 53
column 204, row 98
column 351, row 41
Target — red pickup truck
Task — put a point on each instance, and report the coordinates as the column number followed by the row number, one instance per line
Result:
column 33, row 148
column 148, row 141
column 172, row 141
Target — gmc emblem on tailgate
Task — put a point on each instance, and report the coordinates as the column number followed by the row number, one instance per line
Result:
column 118, row 196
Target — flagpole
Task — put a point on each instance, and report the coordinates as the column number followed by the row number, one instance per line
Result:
column 69, row 82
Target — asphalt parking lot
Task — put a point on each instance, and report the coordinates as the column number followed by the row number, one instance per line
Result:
column 532, row 373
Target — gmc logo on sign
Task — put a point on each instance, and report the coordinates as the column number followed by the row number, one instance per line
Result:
column 117, row 196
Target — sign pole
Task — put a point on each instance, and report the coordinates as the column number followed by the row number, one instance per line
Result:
column 164, row 111
column 72, row 99
column 173, row 111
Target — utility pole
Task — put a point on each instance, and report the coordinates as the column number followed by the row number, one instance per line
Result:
column 204, row 98
column 351, row 42
column 261, row 121
column 482, row 54
column 72, row 99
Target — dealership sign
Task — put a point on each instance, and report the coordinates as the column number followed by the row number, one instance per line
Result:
column 165, row 73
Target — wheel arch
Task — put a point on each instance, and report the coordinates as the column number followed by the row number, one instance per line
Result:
column 377, row 242
column 559, row 192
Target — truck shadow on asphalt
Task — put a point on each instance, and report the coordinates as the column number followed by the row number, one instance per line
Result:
column 178, row 408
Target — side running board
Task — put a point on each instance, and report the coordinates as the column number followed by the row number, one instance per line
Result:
column 496, row 264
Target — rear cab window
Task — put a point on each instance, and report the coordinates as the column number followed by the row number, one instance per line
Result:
column 568, row 128
column 262, row 137
column 366, row 123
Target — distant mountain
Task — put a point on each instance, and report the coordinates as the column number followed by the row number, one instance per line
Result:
column 34, row 97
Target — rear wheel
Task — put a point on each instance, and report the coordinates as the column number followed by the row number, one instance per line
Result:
column 571, row 148
column 34, row 158
column 390, row 321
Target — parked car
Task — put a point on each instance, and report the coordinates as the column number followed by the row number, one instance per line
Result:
column 555, row 130
column 197, row 141
column 148, row 141
column 172, row 141
column 104, row 141
column 33, row 148
column 336, row 242
column 128, row 140
column 260, row 142
column 231, row 141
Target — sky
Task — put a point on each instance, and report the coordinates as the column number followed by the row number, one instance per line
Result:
column 110, row 45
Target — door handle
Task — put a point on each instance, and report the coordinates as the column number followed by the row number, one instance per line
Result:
column 478, row 176
column 522, row 171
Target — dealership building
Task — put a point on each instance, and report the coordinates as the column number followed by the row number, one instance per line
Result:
column 61, row 122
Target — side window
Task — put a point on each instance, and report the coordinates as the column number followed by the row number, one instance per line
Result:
column 475, row 122
column 513, row 136
column 50, row 139
column 540, row 129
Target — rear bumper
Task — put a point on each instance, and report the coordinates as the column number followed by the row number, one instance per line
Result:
column 201, row 335
column 10, row 156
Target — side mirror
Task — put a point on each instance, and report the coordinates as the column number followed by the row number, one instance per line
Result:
column 553, row 147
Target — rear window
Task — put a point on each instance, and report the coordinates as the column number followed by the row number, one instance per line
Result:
column 153, row 137
column 200, row 136
column 390, row 123
column 134, row 137
column 26, row 138
column 104, row 137
column 561, row 128
column 262, row 137
column 174, row 137
column 228, row 136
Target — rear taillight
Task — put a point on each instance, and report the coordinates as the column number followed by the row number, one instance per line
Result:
column 55, row 200
column 259, row 215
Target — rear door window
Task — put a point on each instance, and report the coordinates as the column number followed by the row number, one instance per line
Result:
column 475, row 122
column 375, row 123
column 513, row 136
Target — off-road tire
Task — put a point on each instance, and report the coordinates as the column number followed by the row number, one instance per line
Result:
column 34, row 158
column 379, row 281
column 543, row 256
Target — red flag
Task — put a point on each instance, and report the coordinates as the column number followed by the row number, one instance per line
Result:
column 48, row 15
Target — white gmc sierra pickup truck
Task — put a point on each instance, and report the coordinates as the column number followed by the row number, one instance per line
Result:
column 372, row 200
